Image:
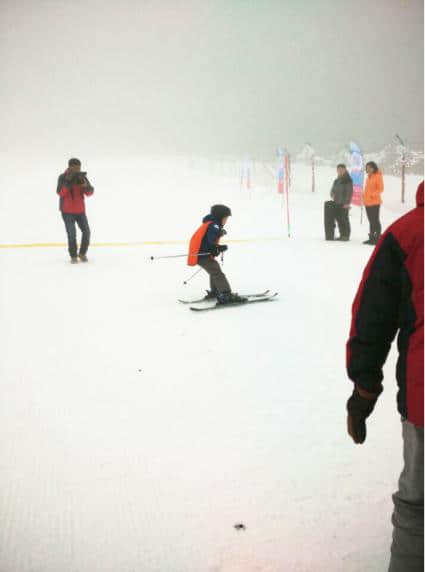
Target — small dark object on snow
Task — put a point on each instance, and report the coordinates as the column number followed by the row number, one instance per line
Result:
column 239, row 526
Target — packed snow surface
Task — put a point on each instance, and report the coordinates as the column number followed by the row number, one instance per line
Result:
column 135, row 434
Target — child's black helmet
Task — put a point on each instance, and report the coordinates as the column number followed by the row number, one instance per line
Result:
column 220, row 211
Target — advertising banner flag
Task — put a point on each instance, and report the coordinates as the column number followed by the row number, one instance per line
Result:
column 357, row 174
column 280, row 170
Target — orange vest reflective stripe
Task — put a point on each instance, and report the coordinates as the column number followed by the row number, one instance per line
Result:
column 195, row 243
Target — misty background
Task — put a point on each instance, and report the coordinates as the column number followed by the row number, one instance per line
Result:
column 210, row 78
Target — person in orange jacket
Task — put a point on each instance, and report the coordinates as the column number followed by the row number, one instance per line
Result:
column 372, row 200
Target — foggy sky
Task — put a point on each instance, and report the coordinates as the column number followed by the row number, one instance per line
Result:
column 217, row 77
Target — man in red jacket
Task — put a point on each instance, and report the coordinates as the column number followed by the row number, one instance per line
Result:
column 72, row 187
column 390, row 300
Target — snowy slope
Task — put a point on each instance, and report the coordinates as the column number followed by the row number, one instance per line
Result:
column 135, row 434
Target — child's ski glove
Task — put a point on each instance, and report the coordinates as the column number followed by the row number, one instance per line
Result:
column 218, row 249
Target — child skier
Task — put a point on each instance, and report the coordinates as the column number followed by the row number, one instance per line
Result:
column 204, row 247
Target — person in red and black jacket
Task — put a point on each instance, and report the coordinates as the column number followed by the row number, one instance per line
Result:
column 390, row 300
column 72, row 187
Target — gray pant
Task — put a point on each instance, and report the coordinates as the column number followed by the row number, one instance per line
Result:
column 407, row 550
column 218, row 281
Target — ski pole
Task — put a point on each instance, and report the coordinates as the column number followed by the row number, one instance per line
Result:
column 180, row 255
column 193, row 276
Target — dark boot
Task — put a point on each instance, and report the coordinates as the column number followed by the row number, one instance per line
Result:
column 230, row 298
column 211, row 295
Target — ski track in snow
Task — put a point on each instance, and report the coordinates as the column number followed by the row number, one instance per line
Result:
column 136, row 434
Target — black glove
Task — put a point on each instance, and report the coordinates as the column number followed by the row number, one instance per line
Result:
column 359, row 407
column 218, row 249
column 223, row 232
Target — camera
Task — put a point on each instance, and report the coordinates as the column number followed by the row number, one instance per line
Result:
column 79, row 178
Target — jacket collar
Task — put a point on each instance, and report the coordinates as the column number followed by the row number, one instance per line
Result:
column 211, row 218
column 345, row 177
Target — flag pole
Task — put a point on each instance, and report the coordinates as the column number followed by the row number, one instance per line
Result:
column 287, row 179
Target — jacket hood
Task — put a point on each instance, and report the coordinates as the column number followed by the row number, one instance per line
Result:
column 211, row 218
column 420, row 195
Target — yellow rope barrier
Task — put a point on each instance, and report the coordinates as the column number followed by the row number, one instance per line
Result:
column 134, row 243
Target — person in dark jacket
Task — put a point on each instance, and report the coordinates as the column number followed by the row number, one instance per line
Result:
column 390, row 300
column 341, row 193
column 72, row 187
column 204, row 248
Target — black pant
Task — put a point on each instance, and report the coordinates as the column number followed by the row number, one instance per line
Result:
column 81, row 220
column 341, row 216
column 336, row 213
column 373, row 217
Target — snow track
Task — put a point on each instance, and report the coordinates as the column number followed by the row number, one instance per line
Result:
column 135, row 435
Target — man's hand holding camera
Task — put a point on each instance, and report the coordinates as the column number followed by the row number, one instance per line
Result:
column 80, row 178
column 73, row 176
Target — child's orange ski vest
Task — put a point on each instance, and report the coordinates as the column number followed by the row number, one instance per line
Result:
column 195, row 243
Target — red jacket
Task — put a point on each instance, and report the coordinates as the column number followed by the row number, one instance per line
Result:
column 73, row 198
column 390, row 299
